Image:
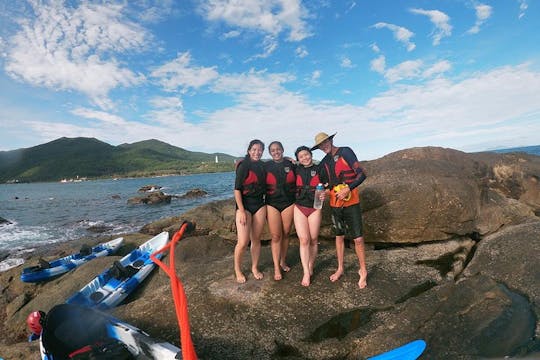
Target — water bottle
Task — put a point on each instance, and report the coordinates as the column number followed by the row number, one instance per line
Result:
column 317, row 202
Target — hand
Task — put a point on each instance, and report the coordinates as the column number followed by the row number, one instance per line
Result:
column 242, row 218
column 343, row 193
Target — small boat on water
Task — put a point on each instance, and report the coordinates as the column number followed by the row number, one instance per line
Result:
column 49, row 269
column 109, row 288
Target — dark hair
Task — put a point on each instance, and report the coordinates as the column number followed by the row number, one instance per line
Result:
column 255, row 142
column 278, row 143
column 302, row 148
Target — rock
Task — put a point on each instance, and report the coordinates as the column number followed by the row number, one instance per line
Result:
column 115, row 196
column 156, row 197
column 4, row 221
column 99, row 228
column 149, row 188
column 506, row 257
column 193, row 194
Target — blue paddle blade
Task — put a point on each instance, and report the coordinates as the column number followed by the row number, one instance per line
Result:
column 410, row 351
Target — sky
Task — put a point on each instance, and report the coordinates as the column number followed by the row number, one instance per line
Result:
column 210, row 76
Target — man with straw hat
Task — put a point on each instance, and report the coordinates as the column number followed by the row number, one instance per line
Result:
column 344, row 174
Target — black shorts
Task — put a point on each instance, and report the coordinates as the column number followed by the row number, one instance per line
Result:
column 348, row 221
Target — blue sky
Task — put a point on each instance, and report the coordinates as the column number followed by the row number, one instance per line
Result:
column 212, row 75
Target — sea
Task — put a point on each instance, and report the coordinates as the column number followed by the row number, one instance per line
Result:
column 47, row 213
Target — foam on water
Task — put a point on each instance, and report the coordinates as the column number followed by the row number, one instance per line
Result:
column 10, row 263
column 14, row 237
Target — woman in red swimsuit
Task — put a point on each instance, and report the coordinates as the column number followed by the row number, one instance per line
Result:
column 307, row 220
column 249, row 191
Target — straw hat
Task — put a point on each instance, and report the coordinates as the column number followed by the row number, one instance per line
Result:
column 320, row 138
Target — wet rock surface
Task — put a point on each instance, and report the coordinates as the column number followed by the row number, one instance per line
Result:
column 152, row 198
column 453, row 247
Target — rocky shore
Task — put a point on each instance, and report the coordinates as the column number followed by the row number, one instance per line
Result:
column 453, row 248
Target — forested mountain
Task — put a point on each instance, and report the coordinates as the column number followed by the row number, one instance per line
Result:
column 91, row 158
column 535, row 150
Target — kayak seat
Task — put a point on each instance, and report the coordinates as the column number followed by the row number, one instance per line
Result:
column 44, row 264
column 111, row 349
column 85, row 250
column 121, row 272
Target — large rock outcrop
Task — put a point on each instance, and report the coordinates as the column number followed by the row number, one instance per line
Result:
column 463, row 275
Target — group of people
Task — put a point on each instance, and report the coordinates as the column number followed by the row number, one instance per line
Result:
column 282, row 190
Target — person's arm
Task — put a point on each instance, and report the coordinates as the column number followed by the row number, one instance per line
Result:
column 241, row 212
column 238, row 187
column 352, row 161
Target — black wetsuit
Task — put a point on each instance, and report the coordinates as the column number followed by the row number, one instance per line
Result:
column 251, row 182
column 307, row 179
column 280, row 184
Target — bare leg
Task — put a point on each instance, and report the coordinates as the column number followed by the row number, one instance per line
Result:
column 286, row 219
column 340, row 253
column 314, row 221
column 259, row 220
column 243, row 231
column 276, row 230
column 359, row 248
column 302, row 230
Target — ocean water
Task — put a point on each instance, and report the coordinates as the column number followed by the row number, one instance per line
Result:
column 45, row 213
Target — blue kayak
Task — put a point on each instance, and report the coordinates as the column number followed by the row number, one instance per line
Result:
column 409, row 351
column 73, row 331
column 47, row 270
column 109, row 288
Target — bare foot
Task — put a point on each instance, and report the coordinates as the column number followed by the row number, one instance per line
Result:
column 277, row 275
column 285, row 267
column 257, row 274
column 362, row 283
column 240, row 278
column 306, row 280
column 335, row 276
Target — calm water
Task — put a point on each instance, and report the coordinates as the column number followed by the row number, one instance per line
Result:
column 44, row 213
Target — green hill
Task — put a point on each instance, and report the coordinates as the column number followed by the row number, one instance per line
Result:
column 91, row 158
column 534, row 150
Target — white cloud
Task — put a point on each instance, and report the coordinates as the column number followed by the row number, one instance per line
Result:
column 378, row 64
column 64, row 48
column 252, row 85
column 166, row 102
column 406, row 70
column 441, row 22
column 269, row 45
column 483, row 12
column 436, row 69
column 168, row 112
column 152, row 11
column 409, row 70
column 375, row 48
column 268, row 16
column 231, row 34
column 180, row 74
column 301, row 52
column 102, row 116
column 346, row 63
column 522, row 8
column 401, row 34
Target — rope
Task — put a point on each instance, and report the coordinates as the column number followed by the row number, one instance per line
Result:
column 179, row 295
